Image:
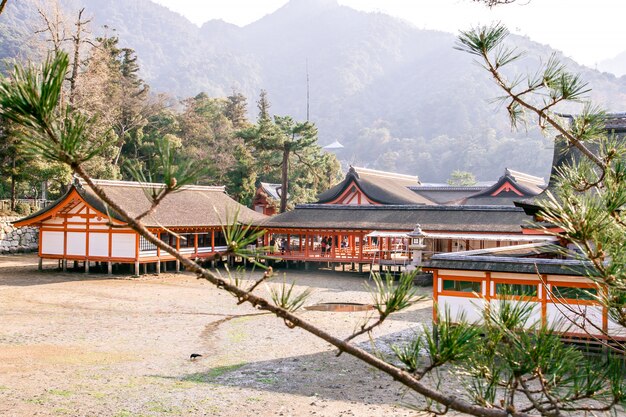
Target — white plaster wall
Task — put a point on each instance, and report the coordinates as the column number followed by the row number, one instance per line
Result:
column 123, row 245
column 561, row 318
column 471, row 306
column 616, row 330
column 51, row 243
column 98, row 244
column 535, row 316
column 76, row 242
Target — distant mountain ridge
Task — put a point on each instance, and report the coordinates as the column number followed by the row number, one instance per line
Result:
column 398, row 97
column 615, row 65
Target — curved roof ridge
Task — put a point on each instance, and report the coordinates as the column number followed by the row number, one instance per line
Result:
column 135, row 184
column 524, row 177
column 386, row 174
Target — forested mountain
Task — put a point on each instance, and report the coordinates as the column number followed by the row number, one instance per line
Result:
column 398, row 98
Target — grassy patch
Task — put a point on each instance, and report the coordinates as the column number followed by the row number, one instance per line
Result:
column 213, row 373
column 39, row 400
column 159, row 407
column 268, row 381
column 60, row 393
column 98, row 395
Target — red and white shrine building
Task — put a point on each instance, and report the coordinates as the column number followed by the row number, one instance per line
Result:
column 79, row 226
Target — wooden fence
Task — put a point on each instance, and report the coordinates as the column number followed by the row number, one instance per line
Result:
column 5, row 205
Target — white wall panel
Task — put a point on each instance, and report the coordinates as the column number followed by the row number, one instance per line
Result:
column 535, row 315
column 562, row 318
column 51, row 243
column 76, row 242
column 123, row 245
column 616, row 330
column 98, row 244
column 471, row 306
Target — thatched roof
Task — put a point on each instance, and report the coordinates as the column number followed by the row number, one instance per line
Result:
column 491, row 219
column 193, row 206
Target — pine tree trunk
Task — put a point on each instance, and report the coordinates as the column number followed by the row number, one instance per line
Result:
column 285, row 179
column 13, row 187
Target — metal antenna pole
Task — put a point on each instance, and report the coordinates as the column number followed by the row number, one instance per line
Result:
column 307, row 89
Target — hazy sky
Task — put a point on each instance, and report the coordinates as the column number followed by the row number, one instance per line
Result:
column 587, row 30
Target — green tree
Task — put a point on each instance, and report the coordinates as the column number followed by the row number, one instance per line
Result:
column 12, row 162
column 460, row 178
column 208, row 135
column 279, row 144
column 236, row 109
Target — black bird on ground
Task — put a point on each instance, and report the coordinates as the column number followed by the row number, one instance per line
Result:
column 194, row 356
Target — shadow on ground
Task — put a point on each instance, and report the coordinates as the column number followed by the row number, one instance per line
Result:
column 322, row 375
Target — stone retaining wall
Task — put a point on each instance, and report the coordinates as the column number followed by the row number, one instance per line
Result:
column 14, row 240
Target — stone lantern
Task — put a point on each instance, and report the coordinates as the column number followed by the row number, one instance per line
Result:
column 417, row 246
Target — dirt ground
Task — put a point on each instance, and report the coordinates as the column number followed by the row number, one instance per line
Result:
column 89, row 345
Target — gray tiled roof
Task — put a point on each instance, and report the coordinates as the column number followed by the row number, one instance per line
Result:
column 378, row 186
column 492, row 219
column 515, row 265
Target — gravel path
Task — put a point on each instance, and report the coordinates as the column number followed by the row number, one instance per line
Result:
column 76, row 345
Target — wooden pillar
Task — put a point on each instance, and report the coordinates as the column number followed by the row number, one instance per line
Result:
column 339, row 239
column 87, row 241
column 158, row 267
column 64, row 265
column 195, row 244
column 353, row 245
column 109, row 267
column 177, row 265
column 333, row 248
column 213, row 240
column 361, row 243
column 137, row 268
column 388, row 255
column 40, row 266
column 544, row 298
column 306, row 247
column 145, row 268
